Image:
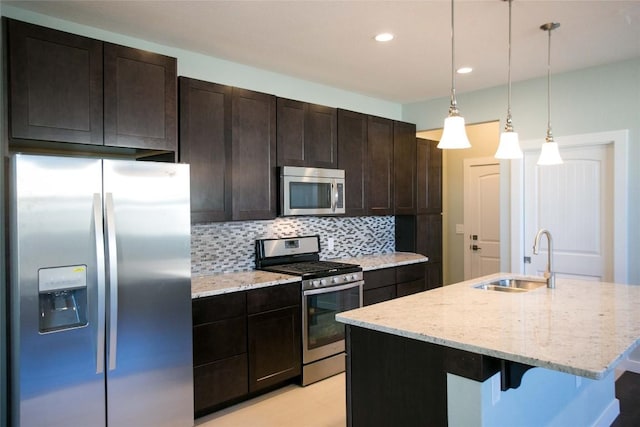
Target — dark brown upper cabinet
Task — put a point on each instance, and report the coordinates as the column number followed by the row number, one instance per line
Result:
column 205, row 143
column 307, row 134
column 55, row 85
column 429, row 173
column 254, row 175
column 380, row 166
column 352, row 157
column 73, row 89
column 404, row 161
column 140, row 97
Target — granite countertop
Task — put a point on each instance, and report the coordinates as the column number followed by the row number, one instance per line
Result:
column 583, row 328
column 222, row 283
column 394, row 259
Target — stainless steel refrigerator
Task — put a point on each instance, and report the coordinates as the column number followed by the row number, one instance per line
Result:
column 100, row 293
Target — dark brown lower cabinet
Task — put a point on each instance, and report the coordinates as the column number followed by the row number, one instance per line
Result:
column 394, row 381
column 219, row 350
column 245, row 343
column 389, row 283
column 274, row 338
column 399, row 381
column 219, row 382
column 274, row 347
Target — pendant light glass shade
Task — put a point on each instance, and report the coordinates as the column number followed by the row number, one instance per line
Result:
column 509, row 147
column 550, row 155
column 454, row 134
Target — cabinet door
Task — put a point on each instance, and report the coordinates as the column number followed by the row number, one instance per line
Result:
column 404, row 160
column 274, row 347
column 429, row 243
column 429, row 173
column 352, row 157
column 55, row 85
column 254, row 176
column 321, row 136
column 380, row 166
column 307, row 134
column 205, row 143
column 140, row 99
column 291, row 144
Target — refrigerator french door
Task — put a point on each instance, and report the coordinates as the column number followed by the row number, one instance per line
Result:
column 100, row 293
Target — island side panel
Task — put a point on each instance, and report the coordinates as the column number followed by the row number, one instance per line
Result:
column 393, row 380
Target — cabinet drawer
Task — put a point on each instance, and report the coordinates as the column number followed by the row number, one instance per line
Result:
column 217, row 340
column 408, row 273
column 273, row 297
column 377, row 295
column 408, row 288
column 379, row 278
column 219, row 307
column 218, row 382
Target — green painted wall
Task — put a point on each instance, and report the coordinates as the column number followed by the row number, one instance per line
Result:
column 597, row 99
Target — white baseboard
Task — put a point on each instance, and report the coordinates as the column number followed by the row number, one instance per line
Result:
column 628, row 365
column 609, row 415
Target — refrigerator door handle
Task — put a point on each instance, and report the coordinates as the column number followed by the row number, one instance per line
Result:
column 112, row 258
column 100, row 267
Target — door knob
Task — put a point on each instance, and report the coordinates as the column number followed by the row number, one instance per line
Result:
column 475, row 247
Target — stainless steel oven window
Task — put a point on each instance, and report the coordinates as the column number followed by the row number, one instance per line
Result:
column 322, row 335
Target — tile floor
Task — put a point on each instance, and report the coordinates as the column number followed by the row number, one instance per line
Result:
column 321, row 404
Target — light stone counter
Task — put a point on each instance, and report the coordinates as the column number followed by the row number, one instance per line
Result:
column 394, row 259
column 582, row 328
column 217, row 284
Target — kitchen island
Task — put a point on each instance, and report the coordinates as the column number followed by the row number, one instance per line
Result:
column 462, row 356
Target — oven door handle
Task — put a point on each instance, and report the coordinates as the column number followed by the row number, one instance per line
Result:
column 339, row 288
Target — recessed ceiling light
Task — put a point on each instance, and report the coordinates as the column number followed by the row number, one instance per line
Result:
column 464, row 70
column 384, row 37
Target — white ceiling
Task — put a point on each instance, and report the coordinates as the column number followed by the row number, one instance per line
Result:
column 331, row 42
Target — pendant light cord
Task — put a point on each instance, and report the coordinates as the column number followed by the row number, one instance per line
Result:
column 508, row 124
column 549, row 134
column 453, row 107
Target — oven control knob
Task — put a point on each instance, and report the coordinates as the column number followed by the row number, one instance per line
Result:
column 315, row 283
column 335, row 280
column 347, row 278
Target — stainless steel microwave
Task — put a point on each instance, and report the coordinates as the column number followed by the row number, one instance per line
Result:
column 311, row 191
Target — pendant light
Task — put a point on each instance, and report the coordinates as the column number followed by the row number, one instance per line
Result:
column 509, row 147
column 549, row 154
column 454, row 134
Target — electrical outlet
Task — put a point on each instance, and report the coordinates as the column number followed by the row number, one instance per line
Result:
column 330, row 244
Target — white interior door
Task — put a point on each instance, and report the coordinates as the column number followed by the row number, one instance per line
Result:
column 574, row 201
column 482, row 217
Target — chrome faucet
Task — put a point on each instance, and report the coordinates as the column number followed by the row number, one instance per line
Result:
column 549, row 273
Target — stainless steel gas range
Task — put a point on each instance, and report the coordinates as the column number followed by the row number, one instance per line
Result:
column 328, row 288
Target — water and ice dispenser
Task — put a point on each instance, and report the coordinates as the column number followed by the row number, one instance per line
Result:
column 63, row 297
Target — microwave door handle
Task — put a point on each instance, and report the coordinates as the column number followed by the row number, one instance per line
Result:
column 334, row 188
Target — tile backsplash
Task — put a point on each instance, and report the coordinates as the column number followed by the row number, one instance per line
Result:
column 224, row 247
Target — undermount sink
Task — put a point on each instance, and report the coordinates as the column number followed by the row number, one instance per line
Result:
column 511, row 285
